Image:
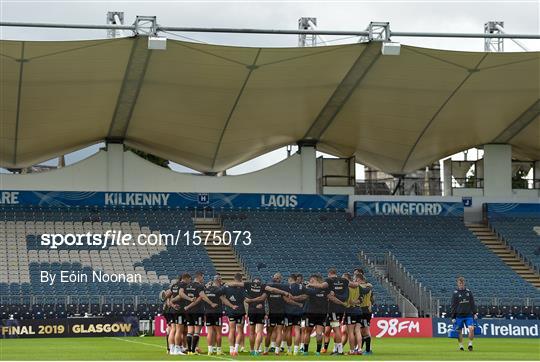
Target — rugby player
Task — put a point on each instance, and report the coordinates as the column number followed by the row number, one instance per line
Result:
column 463, row 312
column 213, row 313
column 351, row 319
column 366, row 302
column 195, row 311
column 256, row 295
column 303, row 324
column 255, row 298
column 293, row 314
column 167, row 313
column 177, row 301
column 277, row 297
column 339, row 288
column 235, row 294
column 317, row 307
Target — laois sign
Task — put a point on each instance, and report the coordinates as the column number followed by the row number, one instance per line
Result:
column 173, row 199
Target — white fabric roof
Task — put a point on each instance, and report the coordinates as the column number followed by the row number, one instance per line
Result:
column 212, row 107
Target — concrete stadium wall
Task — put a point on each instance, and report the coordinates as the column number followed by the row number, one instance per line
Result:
column 116, row 170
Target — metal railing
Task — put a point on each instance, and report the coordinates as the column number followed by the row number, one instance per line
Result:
column 30, row 299
column 411, row 288
column 406, row 307
column 405, row 186
column 467, row 182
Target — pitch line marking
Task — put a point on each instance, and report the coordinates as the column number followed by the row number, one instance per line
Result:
column 161, row 347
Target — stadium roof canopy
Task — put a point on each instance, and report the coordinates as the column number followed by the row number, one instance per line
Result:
column 212, row 107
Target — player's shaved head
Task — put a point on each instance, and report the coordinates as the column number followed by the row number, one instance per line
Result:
column 332, row 271
column 277, row 277
column 238, row 277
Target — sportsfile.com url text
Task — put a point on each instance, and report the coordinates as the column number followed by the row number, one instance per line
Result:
column 120, row 238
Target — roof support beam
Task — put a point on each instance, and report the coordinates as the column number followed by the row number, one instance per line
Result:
column 18, row 112
column 519, row 124
column 129, row 92
column 344, row 90
column 250, row 68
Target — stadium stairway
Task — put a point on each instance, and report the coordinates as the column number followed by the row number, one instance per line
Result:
column 507, row 255
column 222, row 256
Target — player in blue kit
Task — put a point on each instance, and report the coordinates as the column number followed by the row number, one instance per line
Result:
column 463, row 312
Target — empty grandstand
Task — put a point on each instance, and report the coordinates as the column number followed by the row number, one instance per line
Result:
column 419, row 222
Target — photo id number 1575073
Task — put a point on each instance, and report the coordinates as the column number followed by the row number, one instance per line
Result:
column 217, row 237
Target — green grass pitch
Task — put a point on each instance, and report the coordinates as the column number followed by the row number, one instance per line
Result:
column 153, row 348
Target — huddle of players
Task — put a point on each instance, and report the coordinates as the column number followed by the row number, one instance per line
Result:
column 338, row 304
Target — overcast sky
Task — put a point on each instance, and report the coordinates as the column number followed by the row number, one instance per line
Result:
column 421, row 16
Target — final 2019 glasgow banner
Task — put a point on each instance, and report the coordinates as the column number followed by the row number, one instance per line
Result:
column 70, row 327
column 174, row 199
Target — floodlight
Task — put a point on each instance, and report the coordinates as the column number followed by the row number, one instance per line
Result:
column 157, row 43
column 390, row 48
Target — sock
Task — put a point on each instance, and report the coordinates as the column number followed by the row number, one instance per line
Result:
column 283, row 344
column 265, row 349
column 368, row 344
column 171, row 347
column 289, row 349
column 195, row 342
column 326, row 345
column 306, row 347
column 273, row 345
column 236, row 347
column 296, row 349
column 319, row 345
column 470, row 343
column 189, row 341
column 363, row 341
column 210, row 349
column 218, row 349
column 231, row 349
column 461, row 345
column 339, row 348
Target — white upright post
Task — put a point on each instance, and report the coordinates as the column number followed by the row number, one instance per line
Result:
column 497, row 170
column 447, row 177
column 309, row 170
column 536, row 174
column 115, row 167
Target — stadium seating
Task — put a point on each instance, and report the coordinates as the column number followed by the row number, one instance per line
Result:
column 438, row 249
column 304, row 242
column 22, row 227
column 519, row 233
column 434, row 249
